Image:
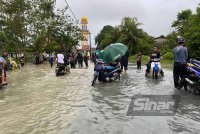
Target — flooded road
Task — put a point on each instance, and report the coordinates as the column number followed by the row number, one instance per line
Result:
column 37, row 102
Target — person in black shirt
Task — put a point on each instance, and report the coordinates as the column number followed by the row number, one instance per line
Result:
column 124, row 62
column 154, row 56
column 86, row 59
column 80, row 60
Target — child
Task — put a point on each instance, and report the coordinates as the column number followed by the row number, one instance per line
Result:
column 51, row 60
column 139, row 60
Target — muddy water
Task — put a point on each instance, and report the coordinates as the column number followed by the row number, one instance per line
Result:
column 37, row 102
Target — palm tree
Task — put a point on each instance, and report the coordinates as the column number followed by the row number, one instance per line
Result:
column 130, row 33
column 115, row 34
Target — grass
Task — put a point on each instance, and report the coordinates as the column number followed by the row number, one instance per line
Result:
column 167, row 63
column 133, row 59
column 164, row 62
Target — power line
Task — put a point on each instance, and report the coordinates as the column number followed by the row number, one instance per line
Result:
column 71, row 11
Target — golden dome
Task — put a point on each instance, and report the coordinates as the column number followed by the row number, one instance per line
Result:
column 84, row 20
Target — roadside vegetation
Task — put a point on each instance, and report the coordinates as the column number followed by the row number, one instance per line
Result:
column 129, row 33
column 36, row 26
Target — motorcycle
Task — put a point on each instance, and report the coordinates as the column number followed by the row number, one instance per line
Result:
column 193, row 76
column 156, row 70
column 106, row 73
column 60, row 70
column 195, row 62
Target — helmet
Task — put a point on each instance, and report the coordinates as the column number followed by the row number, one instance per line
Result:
column 180, row 39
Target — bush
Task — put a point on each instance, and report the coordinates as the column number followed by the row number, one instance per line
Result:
column 168, row 56
column 145, row 49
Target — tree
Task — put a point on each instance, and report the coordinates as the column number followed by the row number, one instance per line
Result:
column 188, row 26
column 182, row 21
column 36, row 25
column 131, row 34
column 103, row 39
column 127, row 33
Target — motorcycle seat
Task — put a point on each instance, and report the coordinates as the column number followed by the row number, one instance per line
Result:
column 109, row 68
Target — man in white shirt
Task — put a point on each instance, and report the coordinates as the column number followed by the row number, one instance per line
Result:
column 60, row 58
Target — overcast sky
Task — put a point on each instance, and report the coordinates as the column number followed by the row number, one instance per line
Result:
column 156, row 15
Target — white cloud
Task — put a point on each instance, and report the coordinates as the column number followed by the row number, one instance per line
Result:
column 156, row 15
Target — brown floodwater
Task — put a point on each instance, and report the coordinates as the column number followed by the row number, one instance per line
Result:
column 38, row 102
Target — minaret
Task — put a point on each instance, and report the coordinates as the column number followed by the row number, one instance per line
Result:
column 85, row 33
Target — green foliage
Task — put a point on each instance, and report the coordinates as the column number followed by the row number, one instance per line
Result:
column 104, row 38
column 188, row 26
column 36, row 25
column 171, row 41
column 133, row 59
column 128, row 33
column 168, row 56
column 182, row 20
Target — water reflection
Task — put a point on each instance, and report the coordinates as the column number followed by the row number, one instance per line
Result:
column 38, row 102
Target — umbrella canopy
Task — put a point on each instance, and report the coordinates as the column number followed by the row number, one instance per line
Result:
column 114, row 52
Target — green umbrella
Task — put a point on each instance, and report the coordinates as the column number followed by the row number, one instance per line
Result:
column 114, row 52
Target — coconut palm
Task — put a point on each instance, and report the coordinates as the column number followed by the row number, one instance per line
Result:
column 130, row 33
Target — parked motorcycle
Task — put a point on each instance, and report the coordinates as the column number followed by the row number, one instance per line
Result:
column 106, row 73
column 195, row 62
column 193, row 76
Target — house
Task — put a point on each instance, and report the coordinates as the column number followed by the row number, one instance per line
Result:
column 160, row 41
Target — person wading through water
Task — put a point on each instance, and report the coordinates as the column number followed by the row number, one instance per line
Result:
column 124, row 62
column 180, row 60
column 139, row 60
column 86, row 57
column 3, row 68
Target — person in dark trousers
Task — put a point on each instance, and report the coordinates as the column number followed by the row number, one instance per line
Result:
column 94, row 58
column 51, row 60
column 180, row 61
column 80, row 60
column 37, row 58
column 66, row 60
column 72, row 60
column 86, row 57
column 124, row 62
column 21, row 60
column 139, row 60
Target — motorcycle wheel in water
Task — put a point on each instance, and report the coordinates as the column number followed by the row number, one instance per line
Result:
column 109, row 75
column 155, row 70
column 60, row 70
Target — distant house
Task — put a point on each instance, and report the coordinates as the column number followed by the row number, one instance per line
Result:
column 160, row 41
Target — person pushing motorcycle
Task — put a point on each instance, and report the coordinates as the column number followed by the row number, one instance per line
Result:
column 180, row 60
column 154, row 56
column 61, row 59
